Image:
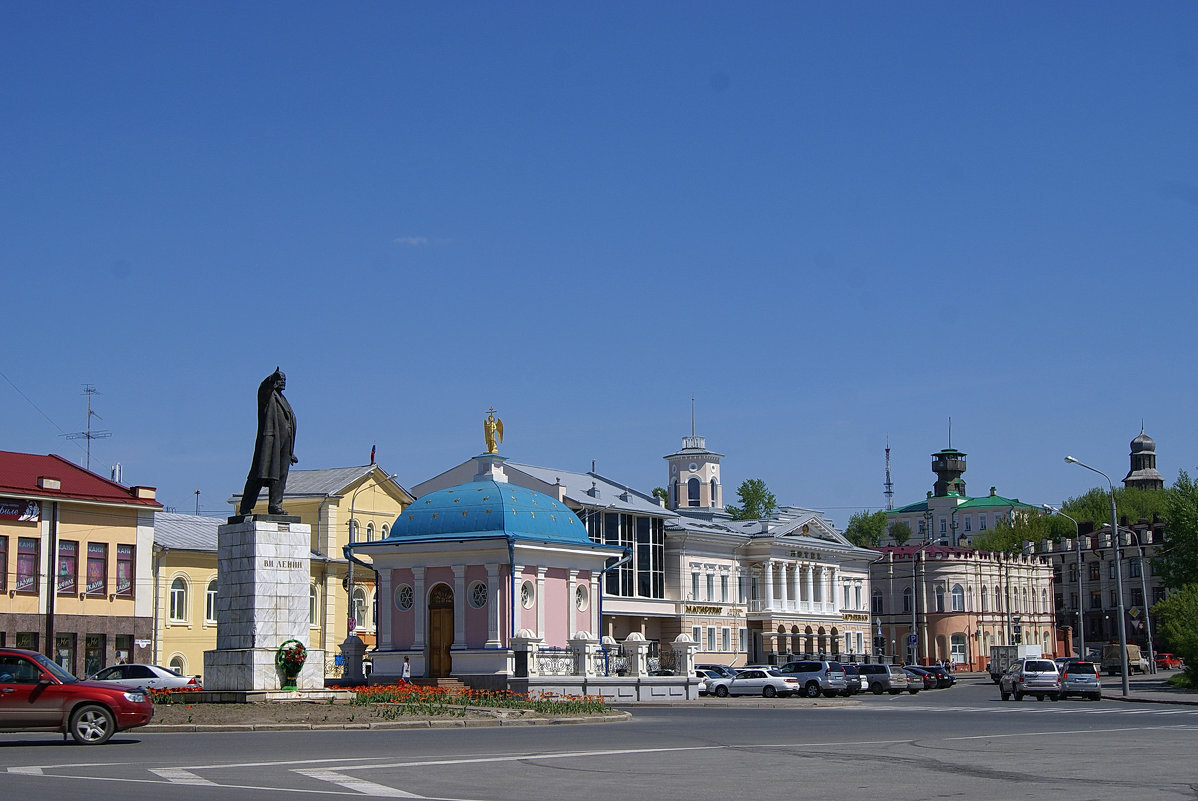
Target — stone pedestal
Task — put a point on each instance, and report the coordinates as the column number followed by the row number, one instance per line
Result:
column 263, row 581
column 352, row 651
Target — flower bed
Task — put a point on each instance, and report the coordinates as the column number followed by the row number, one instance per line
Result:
column 416, row 699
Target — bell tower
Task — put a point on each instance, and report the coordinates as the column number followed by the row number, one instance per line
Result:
column 694, row 474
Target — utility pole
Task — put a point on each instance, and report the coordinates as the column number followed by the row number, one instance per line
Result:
column 88, row 434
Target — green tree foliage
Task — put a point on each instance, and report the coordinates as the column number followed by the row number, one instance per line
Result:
column 1133, row 503
column 1176, row 619
column 1009, row 535
column 866, row 530
column 1178, row 562
column 661, row 494
column 756, row 501
column 900, row 532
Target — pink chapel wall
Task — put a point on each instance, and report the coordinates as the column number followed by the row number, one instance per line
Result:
column 525, row 618
column 476, row 619
column 557, row 613
column 403, row 622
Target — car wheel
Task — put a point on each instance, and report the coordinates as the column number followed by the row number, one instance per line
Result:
column 846, row 693
column 913, row 692
column 895, row 692
column 1018, row 696
column 1062, row 696
column 92, row 725
column 811, row 689
column 768, row 691
column 1006, row 696
column 876, row 688
column 1054, row 697
column 721, row 691
column 1096, row 697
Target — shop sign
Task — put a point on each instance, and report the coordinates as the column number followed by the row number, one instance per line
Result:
column 855, row 617
column 703, row 610
column 13, row 509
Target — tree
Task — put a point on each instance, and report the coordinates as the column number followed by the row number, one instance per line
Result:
column 1008, row 535
column 1134, row 503
column 1178, row 561
column 661, row 494
column 866, row 530
column 900, row 532
column 1177, row 621
column 756, row 501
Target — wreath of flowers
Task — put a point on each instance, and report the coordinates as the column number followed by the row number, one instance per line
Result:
column 291, row 656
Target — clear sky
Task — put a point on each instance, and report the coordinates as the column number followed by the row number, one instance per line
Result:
column 829, row 223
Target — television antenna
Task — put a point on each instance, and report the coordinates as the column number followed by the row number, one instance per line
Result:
column 88, row 434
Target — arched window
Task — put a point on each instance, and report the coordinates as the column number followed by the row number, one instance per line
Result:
column 360, row 606
column 179, row 601
column 939, row 598
column 907, row 600
column 692, row 492
column 386, row 531
column 353, row 531
column 210, row 602
column 1043, row 600
column 312, row 605
column 674, row 493
column 177, row 664
column 958, row 598
column 715, row 492
column 997, row 602
column 985, row 600
column 370, row 532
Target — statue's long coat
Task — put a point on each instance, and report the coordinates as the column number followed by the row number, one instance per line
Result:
column 276, row 434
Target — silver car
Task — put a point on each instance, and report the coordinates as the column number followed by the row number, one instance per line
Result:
column 768, row 683
column 880, row 679
column 817, row 676
column 1038, row 677
column 1080, row 678
column 152, row 677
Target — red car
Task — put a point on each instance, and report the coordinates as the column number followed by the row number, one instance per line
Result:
column 36, row 694
column 1168, row 661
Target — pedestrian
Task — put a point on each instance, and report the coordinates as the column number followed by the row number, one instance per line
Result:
column 407, row 671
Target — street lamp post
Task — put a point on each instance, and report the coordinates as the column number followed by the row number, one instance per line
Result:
column 1144, row 593
column 1118, row 573
column 1081, row 595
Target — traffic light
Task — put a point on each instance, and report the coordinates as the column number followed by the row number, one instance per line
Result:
column 1018, row 638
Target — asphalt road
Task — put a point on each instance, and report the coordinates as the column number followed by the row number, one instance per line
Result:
column 956, row 743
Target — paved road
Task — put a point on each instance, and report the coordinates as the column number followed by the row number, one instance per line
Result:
column 956, row 743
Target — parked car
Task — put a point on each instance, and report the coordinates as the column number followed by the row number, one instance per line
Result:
column 768, row 683
column 817, row 676
column 152, row 677
column 721, row 671
column 1168, row 662
column 1081, row 678
column 36, row 694
column 704, row 676
column 883, row 678
column 944, row 678
column 1038, row 677
column 852, row 679
column 919, row 679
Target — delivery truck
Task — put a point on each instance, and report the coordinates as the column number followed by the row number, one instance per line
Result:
column 1001, row 657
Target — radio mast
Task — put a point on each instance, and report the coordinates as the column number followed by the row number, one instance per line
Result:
column 889, row 485
column 89, row 435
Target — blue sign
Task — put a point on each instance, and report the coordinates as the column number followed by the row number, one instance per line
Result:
column 1017, row 629
column 913, row 638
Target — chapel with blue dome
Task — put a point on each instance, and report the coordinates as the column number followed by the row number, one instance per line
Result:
column 469, row 574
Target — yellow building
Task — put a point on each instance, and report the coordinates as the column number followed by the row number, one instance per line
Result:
column 332, row 502
column 74, row 563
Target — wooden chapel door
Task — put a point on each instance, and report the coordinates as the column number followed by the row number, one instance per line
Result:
column 440, row 629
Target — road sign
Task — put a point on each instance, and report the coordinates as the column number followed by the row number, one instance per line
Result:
column 353, row 624
column 1134, row 612
column 1017, row 628
column 913, row 638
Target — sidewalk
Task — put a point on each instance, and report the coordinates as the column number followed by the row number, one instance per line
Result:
column 1148, row 688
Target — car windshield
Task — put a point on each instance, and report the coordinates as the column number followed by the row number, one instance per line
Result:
column 1039, row 666
column 58, row 670
column 1081, row 667
column 774, row 672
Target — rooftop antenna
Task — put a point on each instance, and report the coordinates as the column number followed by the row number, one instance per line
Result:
column 950, row 432
column 692, row 414
column 889, row 485
column 89, row 435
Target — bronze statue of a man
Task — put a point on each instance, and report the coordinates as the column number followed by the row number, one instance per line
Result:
column 273, row 448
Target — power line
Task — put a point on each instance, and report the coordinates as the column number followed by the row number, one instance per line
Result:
column 37, row 408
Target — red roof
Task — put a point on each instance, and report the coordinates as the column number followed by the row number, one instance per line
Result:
column 19, row 473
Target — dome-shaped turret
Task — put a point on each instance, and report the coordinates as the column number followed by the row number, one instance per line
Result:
column 1143, row 443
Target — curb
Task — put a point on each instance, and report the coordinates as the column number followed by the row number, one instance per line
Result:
column 613, row 717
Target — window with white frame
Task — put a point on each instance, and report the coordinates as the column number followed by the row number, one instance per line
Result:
column 939, row 598
column 857, row 595
column 312, row 605
column 860, row 643
column 210, row 602
column 724, row 589
column 907, row 599
column 876, row 602
column 697, row 635
column 725, row 639
column 848, row 642
column 846, row 597
column 370, row 532
column 710, row 587
column 741, row 589
column 178, row 601
column 958, row 593
column 694, row 586
column 742, row 638
column 711, row 638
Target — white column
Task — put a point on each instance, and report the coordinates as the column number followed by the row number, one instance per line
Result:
column 795, row 583
column 493, row 621
column 823, row 585
column 571, row 619
column 593, row 605
column 385, row 604
column 782, row 571
column 809, row 582
column 769, row 584
column 541, row 602
column 837, row 591
column 420, row 607
column 459, row 606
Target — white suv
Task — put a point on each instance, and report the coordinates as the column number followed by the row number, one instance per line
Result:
column 1038, row 677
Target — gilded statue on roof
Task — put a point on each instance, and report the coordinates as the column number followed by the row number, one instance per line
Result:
column 493, row 432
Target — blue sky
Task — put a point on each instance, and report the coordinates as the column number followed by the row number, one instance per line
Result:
column 830, row 223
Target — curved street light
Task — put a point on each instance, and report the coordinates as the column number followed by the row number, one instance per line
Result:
column 1118, row 573
column 1081, row 595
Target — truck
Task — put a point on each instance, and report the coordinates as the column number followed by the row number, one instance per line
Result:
column 1112, row 662
column 1001, row 657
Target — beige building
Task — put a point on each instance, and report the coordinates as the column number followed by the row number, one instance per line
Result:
column 74, row 563
column 939, row 603
column 334, row 502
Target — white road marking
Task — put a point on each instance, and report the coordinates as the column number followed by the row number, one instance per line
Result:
column 357, row 785
column 181, row 776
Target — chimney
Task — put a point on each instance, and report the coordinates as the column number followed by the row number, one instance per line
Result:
column 48, row 483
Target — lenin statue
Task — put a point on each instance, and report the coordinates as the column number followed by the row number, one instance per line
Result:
column 273, row 447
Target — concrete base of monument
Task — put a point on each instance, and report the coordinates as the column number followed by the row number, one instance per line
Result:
column 254, row 669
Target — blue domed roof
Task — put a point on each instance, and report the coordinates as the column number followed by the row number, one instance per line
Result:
column 488, row 509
